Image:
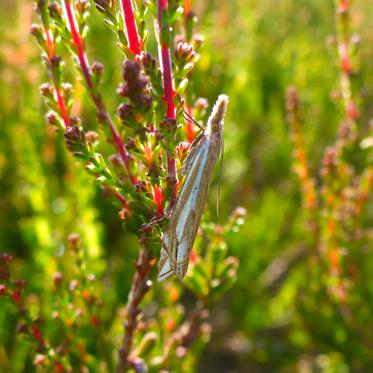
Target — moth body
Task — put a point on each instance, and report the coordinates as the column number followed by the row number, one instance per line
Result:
column 178, row 240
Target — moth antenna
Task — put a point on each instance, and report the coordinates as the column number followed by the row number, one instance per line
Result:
column 187, row 116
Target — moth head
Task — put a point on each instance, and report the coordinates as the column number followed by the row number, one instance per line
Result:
column 216, row 119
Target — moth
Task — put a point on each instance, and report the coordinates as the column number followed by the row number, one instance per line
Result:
column 178, row 239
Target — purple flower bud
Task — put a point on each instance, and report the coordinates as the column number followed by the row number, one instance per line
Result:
column 131, row 70
column 51, row 118
column 91, row 137
column 124, row 111
column 55, row 10
column 36, row 30
column 97, row 68
column 146, row 60
column 46, row 90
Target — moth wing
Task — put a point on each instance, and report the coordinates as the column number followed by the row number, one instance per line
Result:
column 165, row 266
column 193, row 153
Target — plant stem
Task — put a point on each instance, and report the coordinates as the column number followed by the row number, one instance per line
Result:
column 141, row 284
column 51, row 57
column 134, row 41
column 169, row 94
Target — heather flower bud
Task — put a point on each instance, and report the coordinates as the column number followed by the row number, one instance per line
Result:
column 201, row 104
column 74, row 121
column 115, row 160
column 82, row 5
column 198, row 40
column 104, row 5
column 67, row 88
column 131, row 143
column 74, row 241
column 135, row 86
column 184, row 51
column 51, row 118
column 56, row 61
column 36, row 30
column 147, row 102
column 124, row 111
column 147, row 61
column 75, row 138
column 123, row 90
column 141, row 186
column 131, row 70
column 55, row 10
column 97, row 68
column 91, row 137
column 46, row 90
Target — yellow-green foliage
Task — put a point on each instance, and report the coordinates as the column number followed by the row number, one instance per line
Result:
column 282, row 284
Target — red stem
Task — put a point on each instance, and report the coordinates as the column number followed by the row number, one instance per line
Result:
column 169, row 94
column 187, row 7
column 163, row 4
column 140, row 286
column 134, row 41
column 60, row 99
column 169, row 91
column 96, row 98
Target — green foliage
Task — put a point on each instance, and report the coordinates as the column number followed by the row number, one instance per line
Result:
column 287, row 287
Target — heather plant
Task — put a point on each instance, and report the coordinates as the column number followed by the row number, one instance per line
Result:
column 91, row 164
column 150, row 138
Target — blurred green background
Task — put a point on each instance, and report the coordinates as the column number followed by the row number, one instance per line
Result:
column 252, row 51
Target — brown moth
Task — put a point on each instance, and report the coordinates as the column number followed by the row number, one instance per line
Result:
column 178, row 240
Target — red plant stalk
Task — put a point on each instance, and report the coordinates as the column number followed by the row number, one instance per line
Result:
column 168, row 84
column 134, row 41
column 60, row 99
column 187, row 7
column 96, row 98
column 169, row 94
column 140, row 286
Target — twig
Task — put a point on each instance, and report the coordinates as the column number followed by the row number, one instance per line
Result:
column 140, row 286
column 133, row 38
